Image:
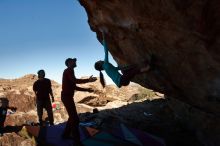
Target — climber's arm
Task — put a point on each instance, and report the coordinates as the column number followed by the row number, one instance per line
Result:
column 106, row 51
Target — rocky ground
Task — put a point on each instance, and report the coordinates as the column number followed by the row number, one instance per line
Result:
column 133, row 105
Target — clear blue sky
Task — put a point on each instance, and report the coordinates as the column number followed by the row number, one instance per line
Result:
column 41, row 34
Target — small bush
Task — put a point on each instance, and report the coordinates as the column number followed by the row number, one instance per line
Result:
column 145, row 93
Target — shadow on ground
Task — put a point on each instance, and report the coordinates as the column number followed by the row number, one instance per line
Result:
column 154, row 117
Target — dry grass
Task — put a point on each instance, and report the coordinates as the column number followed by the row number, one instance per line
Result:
column 24, row 133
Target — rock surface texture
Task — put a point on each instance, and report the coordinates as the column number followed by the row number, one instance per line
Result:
column 181, row 38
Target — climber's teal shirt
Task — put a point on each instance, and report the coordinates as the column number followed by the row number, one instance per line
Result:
column 111, row 70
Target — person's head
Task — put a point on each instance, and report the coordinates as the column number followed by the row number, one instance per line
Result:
column 98, row 66
column 41, row 73
column 70, row 62
column 4, row 102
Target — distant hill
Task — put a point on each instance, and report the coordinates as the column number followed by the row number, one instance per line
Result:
column 19, row 91
column 22, row 82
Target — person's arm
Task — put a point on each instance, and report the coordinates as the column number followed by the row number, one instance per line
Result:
column 106, row 50
column 84, row 89
column 51, row 91
column 81, row 81
column 90, row 79
column 105, row 47
column 35, row 92
column 71, row 77
column 35, row 88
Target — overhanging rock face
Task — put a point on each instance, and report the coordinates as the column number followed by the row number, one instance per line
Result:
column 183, row 36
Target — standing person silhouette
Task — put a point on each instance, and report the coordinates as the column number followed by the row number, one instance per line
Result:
column 43, row 91
column 68, row 88
column 3, row 113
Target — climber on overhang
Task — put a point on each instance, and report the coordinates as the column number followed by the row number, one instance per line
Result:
column 128, row 72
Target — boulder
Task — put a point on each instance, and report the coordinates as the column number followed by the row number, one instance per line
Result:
column 180, row 39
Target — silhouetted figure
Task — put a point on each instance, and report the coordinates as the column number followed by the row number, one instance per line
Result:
column 43, row 91
column 128, row 72
column 3, row 113
column 68, row 88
